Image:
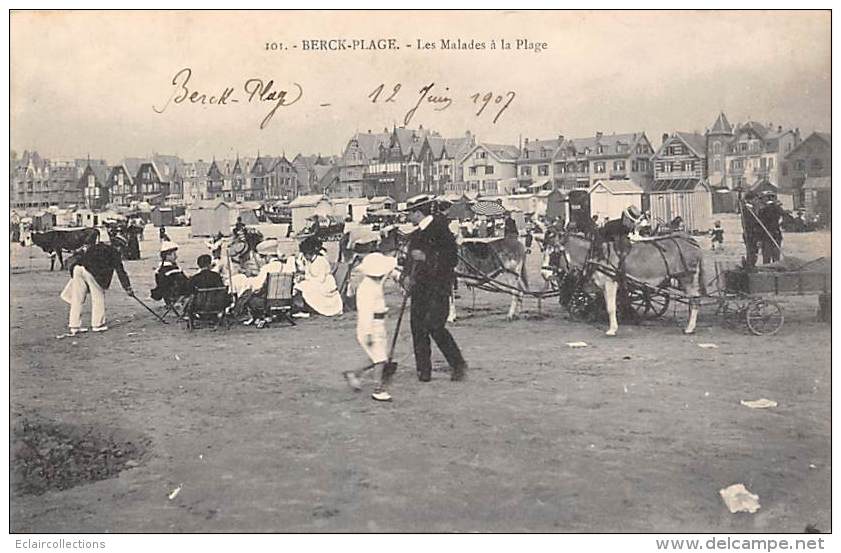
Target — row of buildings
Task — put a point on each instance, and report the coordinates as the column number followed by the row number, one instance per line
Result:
column 402, row 162
column 36, row 182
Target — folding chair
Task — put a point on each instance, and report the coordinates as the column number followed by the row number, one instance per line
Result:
column 278, row 300
column 208, row 305
column 171, row 305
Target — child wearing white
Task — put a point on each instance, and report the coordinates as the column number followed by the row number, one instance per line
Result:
column 371, row 321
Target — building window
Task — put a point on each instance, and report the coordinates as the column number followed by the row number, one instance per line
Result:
column 618, row 165
column 489, row 169
column 599, row 167
column 600, row 149
column 717, row 165
column 817, row 164
column 688, row 166
column 525, row 170
column 716, row 147
column 800, row 165
column 543, row 170
column 472, row 171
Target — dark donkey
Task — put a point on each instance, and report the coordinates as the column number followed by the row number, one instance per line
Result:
column 54, row 242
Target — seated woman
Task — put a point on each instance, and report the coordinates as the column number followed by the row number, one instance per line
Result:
column 318, row 287
column 171, row 284
column 253, row 298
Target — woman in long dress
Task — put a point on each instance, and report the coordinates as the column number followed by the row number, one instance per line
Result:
column 318, row 287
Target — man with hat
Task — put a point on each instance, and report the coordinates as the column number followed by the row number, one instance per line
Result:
column 617, row 231
column 170, row 281
column 430, row 270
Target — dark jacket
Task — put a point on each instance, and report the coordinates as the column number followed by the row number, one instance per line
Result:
column 205, row 279
column 171, row 282
column 437, row 272
column 101, row 260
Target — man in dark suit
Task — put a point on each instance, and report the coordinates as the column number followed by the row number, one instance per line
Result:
column 430, row 268
column 206, row 277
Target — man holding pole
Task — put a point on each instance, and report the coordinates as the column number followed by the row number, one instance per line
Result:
column 91, row 274
column 430, row 270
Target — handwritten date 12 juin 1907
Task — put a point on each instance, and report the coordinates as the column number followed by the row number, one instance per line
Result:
column 259, row 91
column 429, row 95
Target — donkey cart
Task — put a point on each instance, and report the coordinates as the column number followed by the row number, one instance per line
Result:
column 747, row 297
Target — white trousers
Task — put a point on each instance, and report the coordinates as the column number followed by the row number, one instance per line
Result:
column 75, row 293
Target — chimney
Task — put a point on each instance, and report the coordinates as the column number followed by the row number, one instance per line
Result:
column 467, row 133
column 665, row 136
column 560, row 139
column 369, row 131
column 779, row 128
column 599, row 134
column 527, row 141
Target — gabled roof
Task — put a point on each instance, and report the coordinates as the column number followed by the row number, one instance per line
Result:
column 129, row 175
column 132, row 164
column 457, row 147
column 502, row 152
column 536, row 149
column 752, row 126
column 696, row 142
column 823, row 136
column 436, row 146
column 619, row 186
column 369, row 143
column 721, row 125
column 100, row 172
column 310, row 200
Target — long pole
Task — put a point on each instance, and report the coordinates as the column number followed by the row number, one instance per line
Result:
column 150, row 310
column 758, row 220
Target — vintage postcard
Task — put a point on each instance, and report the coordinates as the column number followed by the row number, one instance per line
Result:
column 420, row 272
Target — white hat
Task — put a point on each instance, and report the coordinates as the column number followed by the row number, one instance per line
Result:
column 267, row 247
column 377, row 265
column 167, row 246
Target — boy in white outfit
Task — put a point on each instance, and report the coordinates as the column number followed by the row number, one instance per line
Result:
column 370, row 324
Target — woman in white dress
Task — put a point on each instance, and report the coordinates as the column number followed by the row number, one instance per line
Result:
column 318, row 286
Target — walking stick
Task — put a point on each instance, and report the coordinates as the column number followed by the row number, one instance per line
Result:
column 150, row 310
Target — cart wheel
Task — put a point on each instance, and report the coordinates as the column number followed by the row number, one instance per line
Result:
column 764, row 317
column 647, row 304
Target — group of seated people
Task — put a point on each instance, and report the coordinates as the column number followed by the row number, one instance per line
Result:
column 314, row 285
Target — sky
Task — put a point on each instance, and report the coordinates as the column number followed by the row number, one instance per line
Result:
column 92, row 83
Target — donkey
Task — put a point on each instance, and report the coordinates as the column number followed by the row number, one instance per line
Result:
column 654, row 262
column 502, row 260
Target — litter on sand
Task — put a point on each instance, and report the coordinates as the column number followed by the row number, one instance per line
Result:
column 177, row 358
column 577, row 344
column 131, row 333
column 708, row 346
column 175, row 492
column 759, row 403
column 739, row 499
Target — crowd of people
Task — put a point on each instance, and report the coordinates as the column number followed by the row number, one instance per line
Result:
column 427, row 276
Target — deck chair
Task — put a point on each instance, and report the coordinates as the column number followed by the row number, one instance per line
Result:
column 278, row 299
column 208, row 306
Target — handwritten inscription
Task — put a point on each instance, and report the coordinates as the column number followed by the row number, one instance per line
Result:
column 256, row 90
column 440, row 99
column 430, row 97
